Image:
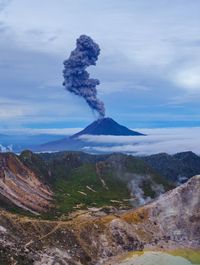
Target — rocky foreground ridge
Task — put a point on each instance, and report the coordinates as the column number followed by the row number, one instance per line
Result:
column 93, row 237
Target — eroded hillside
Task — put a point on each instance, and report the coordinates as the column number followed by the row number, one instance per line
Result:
column 93, row 237
column 21, row 187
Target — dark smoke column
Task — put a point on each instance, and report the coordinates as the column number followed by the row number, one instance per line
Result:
column 76, row 78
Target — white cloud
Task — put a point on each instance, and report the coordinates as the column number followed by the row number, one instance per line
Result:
column 14, row 109
column 189, row 78
column 4, row 4
column 170, row 147
column 45, row 110
column 9, row 113
column 169, row 140
column 31, row 131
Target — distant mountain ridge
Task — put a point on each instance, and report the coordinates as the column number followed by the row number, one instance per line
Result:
column 179, row 167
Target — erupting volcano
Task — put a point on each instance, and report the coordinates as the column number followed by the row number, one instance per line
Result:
column 77, row 81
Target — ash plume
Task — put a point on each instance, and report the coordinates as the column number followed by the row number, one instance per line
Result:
column 76, row 79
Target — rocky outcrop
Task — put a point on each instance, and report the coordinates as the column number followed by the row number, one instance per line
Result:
column 21, row 187
column 92, row 237
column 178, row 213
column 174, row 218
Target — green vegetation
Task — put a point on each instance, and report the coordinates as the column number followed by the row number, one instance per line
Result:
column 147, row 189
column 138, row 166
column 85, row 188
column 36, row 164
column 80, row 180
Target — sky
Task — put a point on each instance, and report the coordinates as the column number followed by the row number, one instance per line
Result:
column 148, row 67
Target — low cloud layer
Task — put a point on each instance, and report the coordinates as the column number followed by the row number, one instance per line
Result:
column 157, row 140
column 168, row 140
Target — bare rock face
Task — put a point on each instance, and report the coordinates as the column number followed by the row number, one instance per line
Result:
column 21, row 187
column 172, row 221
column 178, row 213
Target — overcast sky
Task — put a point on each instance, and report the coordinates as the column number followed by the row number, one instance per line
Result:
column 149, row 65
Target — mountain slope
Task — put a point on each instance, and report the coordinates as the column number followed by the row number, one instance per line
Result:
column 106, row 126
column 91, row 237
column 119, row 180
column 79, row 181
